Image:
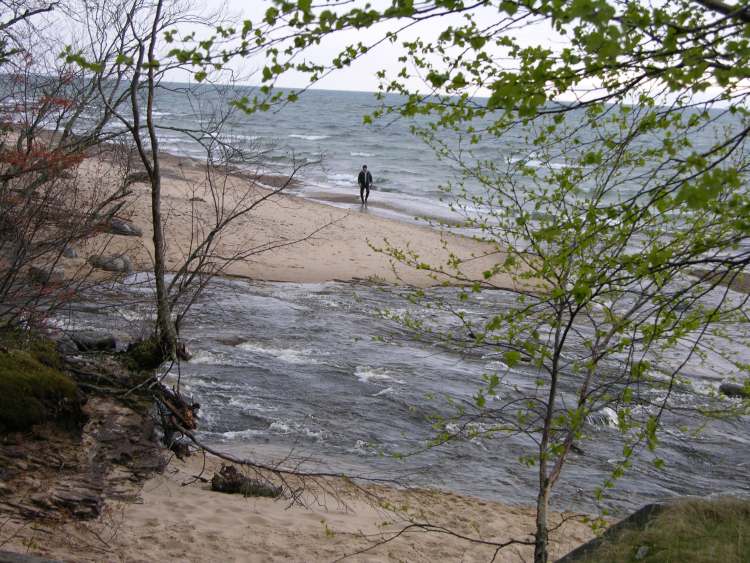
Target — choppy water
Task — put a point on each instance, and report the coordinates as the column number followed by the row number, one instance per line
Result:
column 326, row 128
column 302, row 367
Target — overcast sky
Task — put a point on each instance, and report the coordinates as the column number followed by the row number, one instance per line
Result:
column 361, row 74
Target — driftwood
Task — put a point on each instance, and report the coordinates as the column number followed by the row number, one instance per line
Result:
column 229, row 480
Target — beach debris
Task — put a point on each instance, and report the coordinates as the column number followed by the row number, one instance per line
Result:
column 229, row 480
column 117, row 263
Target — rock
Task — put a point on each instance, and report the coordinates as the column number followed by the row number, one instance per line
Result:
column 122, row 227
column 46, row 275
column 734, row 390
column 69, row 252
column 137, row 178
column 65, row 344
column 119, row 263
column 641, row 553
column 229, row 480
column 92, row 341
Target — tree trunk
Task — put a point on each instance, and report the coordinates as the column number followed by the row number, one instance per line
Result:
column 542, row 500
column 166, row 330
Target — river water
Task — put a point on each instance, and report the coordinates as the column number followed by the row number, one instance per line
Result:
column 316, row 370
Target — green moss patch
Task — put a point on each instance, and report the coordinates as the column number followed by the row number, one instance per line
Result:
column 688, row 531
column 32, row 392
column 145, row 354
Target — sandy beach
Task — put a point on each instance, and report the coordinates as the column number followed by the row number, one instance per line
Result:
column 300, row 240
column 178, row 518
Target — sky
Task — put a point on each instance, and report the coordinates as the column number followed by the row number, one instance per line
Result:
column 360, row 76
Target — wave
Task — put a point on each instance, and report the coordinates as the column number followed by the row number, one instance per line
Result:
column 384, row 392
column 603, row 417
column 288, row 355
column 204, row 357
column 286, row 428
column 308, row 137
column 368, row 374
column 366, row 154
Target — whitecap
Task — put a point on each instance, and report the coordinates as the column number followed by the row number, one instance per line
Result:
column 308, row 137
column 288, row 355
column 384, row 392
column 367, row 374
column 204, row 357
column 366, row 154
column 234, row 434
column 603, row 417
column 251, row 408
column 285, row 428
column 280, row 427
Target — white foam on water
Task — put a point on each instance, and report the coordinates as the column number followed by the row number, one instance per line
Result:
column 288, row 355
column 204, row 357
column 367, row 374
column 308, row 137
column 603, row 417
column 367, row 154
column 383, row 392
column 280, row 427
column 234, row 434
column 360, row 448
column 286, row 428
column 249, row 407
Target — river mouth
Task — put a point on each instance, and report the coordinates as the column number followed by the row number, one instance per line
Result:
column 316, row 370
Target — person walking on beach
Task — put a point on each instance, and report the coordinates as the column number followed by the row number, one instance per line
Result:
column 365, row 181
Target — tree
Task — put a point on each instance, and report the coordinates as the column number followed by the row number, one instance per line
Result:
column 47, row 206
column 129, row 49
column 631, row 178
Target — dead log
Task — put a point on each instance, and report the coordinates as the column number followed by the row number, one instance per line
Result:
column 229, row 480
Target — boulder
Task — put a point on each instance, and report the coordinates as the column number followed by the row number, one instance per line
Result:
column 46, row 275
column 122, row 227
column 69, row 252
column 118, row 263
column 734, row 390
column 92, row 341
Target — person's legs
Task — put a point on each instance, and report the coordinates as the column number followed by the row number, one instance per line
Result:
column 367, row 193
column 362, row 193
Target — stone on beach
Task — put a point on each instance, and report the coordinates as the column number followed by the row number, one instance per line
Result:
column 93, row 341
column 122, row 227
column 118, row 263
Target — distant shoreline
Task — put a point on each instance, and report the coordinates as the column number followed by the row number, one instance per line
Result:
column 308, row 241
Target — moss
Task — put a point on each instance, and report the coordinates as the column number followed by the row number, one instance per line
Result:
column 42, row 349
column 32, row 392
column 689, row 531
column 145, row 354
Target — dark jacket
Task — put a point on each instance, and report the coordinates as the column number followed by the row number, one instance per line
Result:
column 364, row 179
